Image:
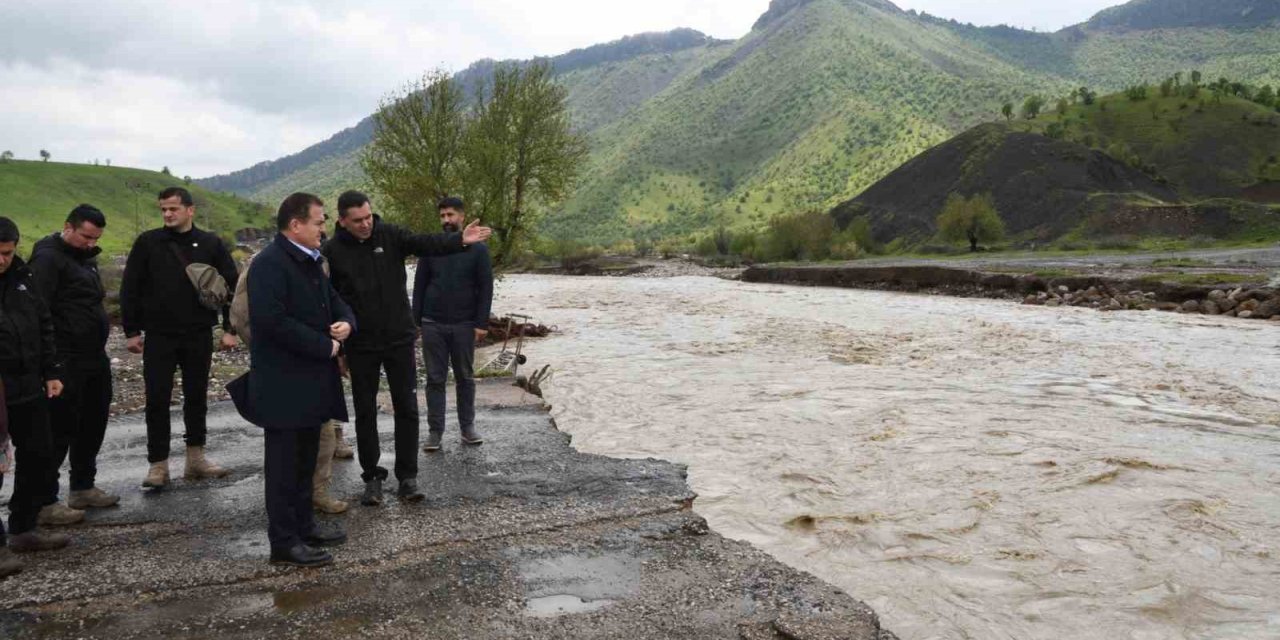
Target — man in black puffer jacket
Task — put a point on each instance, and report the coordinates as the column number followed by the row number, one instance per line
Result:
column 66, row 270
column 367, row 266
column 29, row 373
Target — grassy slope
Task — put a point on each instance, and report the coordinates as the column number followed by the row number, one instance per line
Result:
column 1204, row 147
column 803, row 112
column 38, row 196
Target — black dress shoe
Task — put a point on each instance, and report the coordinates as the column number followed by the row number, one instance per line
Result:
column 372, row 496
column 471, row 436
column 326, row 535
column 409, row 491
column 301, row 556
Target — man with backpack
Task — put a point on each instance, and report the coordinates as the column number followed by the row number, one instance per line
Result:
column 161, row 303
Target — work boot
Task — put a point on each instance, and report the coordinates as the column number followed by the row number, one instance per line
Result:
column 372, row 493
column 59, row 515
column 408, row 491
column 324, row 503
column 343, row 450
column 94, row 498
column 9, row 563
column 471, row 436
column 36, row 540
column 326, row 535
column 157, row 475
column 433, row 441
column 199, row 468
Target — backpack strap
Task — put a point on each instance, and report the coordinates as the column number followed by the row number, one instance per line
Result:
column 178, row 252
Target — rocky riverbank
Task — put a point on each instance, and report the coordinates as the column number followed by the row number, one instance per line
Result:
column 523, row 537
column 1256, row 301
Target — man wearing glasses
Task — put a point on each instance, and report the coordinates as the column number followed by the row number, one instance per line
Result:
column 367, row 266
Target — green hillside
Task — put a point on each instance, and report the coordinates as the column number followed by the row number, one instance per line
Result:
column 819, row 101
column 1204, row 146
column 605, row 83
column 38, row 196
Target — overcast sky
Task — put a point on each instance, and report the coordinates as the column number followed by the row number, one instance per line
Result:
column 210, row 87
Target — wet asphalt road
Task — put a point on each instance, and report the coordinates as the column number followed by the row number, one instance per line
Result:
column 522, row 537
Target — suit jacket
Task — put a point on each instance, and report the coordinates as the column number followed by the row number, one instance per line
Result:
column 293, row 383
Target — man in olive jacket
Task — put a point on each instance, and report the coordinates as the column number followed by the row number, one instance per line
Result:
column 298, row 323
column 367, row 264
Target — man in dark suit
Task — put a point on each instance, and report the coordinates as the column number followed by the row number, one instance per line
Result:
column 299, row 323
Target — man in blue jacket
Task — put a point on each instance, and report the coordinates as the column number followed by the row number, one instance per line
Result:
column 298, row 323
column 452, row 295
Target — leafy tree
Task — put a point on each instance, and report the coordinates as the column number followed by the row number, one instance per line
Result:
column 1007, row 111
column 1031, row 108
column 415, row 156
column 973, row 219
column 1136, row 93
column 6, row 156
column 165, row 171
column 186, row 179
column 1086, row 96
column 520, row 150
column 1063, row 105
column 45, row 155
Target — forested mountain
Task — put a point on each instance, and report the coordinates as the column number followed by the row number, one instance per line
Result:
column 819, row 101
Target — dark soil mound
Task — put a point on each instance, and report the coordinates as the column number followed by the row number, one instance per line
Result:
column 1042, row 187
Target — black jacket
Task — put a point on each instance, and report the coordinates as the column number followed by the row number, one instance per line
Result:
column 293, row 382
column 370, row 276
column 68, row 282
column 156, row 295
column 455, row 289
column 28, row 357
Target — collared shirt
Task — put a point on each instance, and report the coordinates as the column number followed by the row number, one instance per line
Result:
column 314, row 254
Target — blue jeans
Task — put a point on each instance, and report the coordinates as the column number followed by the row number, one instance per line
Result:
column 444, row 345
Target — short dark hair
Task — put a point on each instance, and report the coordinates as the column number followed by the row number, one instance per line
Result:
column 350, row 200
column 8, row 230
column 183, row 195
column 296, row 207
column 451, row 202
column 86, row 213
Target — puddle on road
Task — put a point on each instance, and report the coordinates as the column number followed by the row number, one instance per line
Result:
column 577, row 582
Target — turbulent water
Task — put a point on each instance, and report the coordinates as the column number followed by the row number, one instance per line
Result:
column 970, row 468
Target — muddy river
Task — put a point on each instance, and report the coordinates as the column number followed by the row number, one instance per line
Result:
column 970, row 468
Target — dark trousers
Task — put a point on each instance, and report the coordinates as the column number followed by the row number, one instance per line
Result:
column 79, row 419
column 289, row 465
column 443, row 345
column 34, row 475
column 162, row 355
column 402, row 369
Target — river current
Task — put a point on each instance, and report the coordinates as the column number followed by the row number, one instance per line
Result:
column 969, row 468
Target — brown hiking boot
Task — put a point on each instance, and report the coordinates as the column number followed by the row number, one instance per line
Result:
column 157, row 475
column 94, row 498
column 198, row 468
column 59, row 515
column 36, row 540
column 324, row 503
column 9, row 563
column 343, row 450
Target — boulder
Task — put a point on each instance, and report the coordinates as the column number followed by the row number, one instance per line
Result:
column 1217, row 295
column 1249, row 305
column 1227, row 304
column 1267, row 309
column 1191, row 306
column 1244, row 314
column 1209, row 308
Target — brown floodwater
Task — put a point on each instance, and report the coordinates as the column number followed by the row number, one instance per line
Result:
column 970, row 468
